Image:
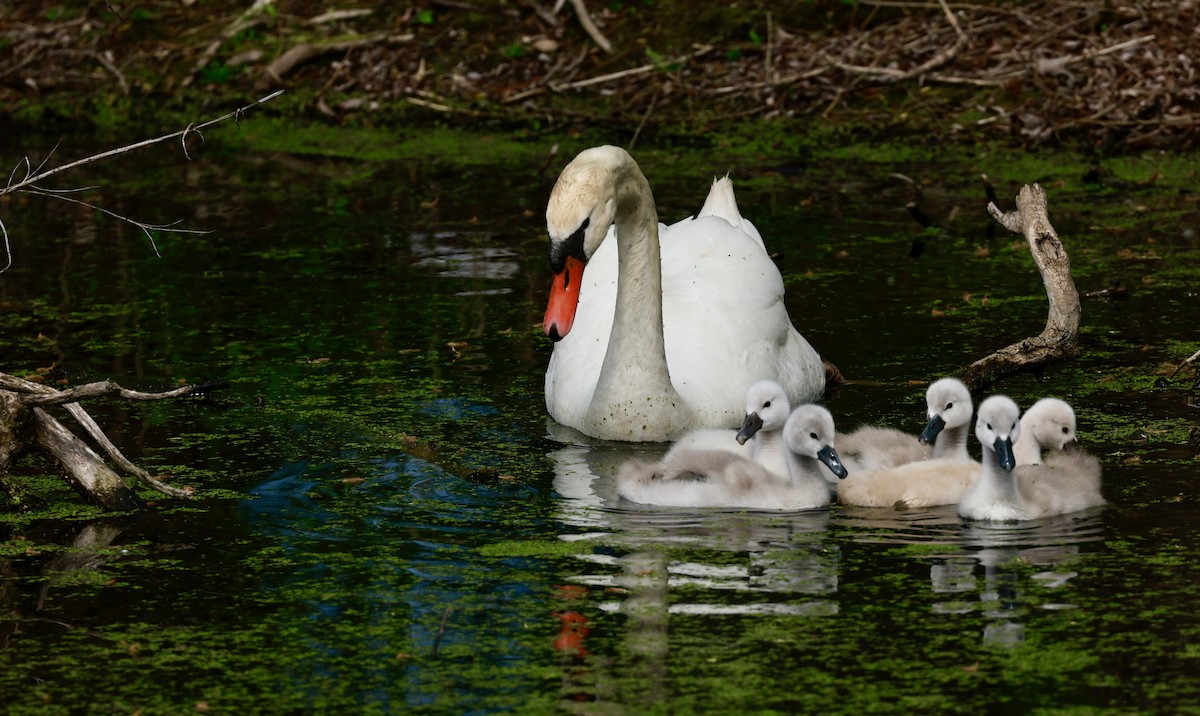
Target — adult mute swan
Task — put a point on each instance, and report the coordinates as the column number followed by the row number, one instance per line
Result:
column 1066, row 482
column 948, row 407
column 668, row 326
column 718, row 478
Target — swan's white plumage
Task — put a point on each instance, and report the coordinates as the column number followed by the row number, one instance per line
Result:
column 1065, row 482
column 720, row 478
column 724, row 323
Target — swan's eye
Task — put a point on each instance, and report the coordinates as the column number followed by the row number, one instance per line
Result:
column 989, row 426
column 813, row 436
column 768, row 404
column 1065, row 431
column 949, row 405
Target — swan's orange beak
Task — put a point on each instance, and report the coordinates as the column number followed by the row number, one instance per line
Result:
column 564, row 299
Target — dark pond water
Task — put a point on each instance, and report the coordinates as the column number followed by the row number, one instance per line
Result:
column 387, row 522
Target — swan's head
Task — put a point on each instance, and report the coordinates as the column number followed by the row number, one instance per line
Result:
column 1051, row 423
column 950, row 406
column 582, row 207
column 766, row 409
column 998, row 427
column 809, row 432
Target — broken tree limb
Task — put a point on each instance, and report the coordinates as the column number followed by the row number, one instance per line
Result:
column 1058, row 341
column 23, row 420
column 85, row 471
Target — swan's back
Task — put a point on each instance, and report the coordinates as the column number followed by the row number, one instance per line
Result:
column 706, row 478
column 916, row 484
column 871, row 447
column 722, row 203
column 1065, row 482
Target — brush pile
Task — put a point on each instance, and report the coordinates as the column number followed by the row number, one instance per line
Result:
column 1119, row 74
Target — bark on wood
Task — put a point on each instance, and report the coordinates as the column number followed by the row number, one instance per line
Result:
column 85, row 471
column 23, row 421
column 1058, row 341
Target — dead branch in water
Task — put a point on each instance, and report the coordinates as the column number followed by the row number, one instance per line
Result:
column 1059, row 339
column 24, row 422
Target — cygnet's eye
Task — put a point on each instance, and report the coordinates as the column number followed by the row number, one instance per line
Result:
column 1065, row 430
column 813, row 436
column 767, row 404
column 989, row 426
column 949, row 405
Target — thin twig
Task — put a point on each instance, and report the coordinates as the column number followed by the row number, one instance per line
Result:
column 589, row 27
column 32, row 176
column 138, row 145
column 437, row 640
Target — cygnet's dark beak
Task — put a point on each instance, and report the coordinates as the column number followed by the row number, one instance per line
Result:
column 1072, row 445
column 932, row 428
column 830, row 457
column 752, row 424
column 1004, row 454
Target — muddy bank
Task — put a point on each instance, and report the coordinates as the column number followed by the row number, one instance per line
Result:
column 1116, row 76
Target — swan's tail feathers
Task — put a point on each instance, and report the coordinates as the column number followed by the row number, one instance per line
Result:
column 722, row 203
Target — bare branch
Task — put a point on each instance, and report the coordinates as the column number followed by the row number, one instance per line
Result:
column 1058, row 340
column 32, row 176
column 104, row 387
column 36, row 177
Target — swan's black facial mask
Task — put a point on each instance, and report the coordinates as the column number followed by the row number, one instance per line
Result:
column 572, row 246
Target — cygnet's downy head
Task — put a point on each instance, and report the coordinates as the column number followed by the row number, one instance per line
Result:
column 582, row 207
column 949, row 404
column 809, row 432
column 997, row 427
column 766, row 409
column 1051, row 423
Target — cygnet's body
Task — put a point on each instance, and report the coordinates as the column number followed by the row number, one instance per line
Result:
column 949, row 410
column 941, row 478
column 1065, row 482
column 695, row 477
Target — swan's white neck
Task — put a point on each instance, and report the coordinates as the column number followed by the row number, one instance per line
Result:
column 805, row 469
column 951, row 443
column 635, row 363
column 994, row 495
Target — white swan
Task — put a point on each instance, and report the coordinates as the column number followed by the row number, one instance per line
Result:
column 719, row 478
column 1067, row 482
column 1049, row 423
column 949, row 408
column 668, row 326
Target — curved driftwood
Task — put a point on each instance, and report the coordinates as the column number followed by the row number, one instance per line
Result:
column 24, row 423
column 1058, row 341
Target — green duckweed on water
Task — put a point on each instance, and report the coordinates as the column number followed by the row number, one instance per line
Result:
column 387, row 523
